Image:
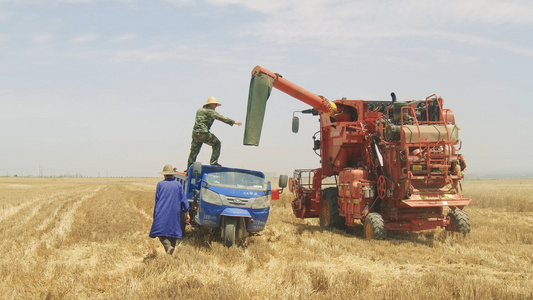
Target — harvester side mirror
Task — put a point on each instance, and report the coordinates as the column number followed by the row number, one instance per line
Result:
column 295, row 124
column 283, row 181
column 316, row 145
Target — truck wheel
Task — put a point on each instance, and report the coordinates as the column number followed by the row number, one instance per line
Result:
column 460, row 221
column 329, row 209
column 375, row 227
column 229, row 232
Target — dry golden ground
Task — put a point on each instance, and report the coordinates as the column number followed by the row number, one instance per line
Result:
column 72, row 238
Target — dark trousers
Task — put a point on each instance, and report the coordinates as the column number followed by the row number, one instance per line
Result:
column 196, row 144
column 169, row 243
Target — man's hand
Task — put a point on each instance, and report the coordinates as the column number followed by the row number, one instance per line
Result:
column 238, row 123
column 187, row 218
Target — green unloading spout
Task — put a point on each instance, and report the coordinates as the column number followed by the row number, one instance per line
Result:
column 260, row 88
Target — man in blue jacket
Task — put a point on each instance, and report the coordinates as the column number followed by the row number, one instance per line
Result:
column 170, row 204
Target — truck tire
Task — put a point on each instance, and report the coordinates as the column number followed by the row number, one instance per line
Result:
column 460, row 221
column 329, row 209
column 229, row 232
column 374, row 227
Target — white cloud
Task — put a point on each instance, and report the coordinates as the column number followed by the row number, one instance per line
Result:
column 357, row 23
column 485, row 42
column 267, row 7
column 181, row 2
column 169, row 53
column 42, row 38
column 418, row 11
column 84, row 38
column 125, row 37
column 489, row 12
column 75, row 1
column 149, row 55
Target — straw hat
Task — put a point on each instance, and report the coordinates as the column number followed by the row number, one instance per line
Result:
column 212, row 100
column 168, row 170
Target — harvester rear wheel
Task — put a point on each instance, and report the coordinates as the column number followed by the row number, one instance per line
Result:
column 229, row 232
column 375, row 227
column 460, row 221
column 329, row 209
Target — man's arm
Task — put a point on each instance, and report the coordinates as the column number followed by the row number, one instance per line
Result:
column 184, row 205
column 226, row 120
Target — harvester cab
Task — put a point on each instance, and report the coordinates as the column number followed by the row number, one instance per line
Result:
column 395, row 164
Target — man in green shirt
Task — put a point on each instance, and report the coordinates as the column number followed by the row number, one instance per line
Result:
column 205, row 116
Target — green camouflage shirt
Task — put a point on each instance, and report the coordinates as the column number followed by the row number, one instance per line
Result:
column 205, row 117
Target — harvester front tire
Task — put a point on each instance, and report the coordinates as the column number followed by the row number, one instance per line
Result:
column 229, row 232
column 329, row 209
column 459, row 218
column 374, row 227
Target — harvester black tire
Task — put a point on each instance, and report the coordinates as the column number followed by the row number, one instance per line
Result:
column 229, row 232
column 329, row 209
column 460, row 220
column 374, row 227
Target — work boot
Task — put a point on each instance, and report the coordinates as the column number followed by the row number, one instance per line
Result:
column 216, row 165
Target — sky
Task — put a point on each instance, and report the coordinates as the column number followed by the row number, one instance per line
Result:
column 110, row 88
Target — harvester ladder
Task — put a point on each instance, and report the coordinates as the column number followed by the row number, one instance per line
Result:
column 437, row 159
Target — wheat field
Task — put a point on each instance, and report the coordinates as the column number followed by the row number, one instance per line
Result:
column 87, row 238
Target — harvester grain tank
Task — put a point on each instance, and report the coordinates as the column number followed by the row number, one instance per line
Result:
column 391, row 165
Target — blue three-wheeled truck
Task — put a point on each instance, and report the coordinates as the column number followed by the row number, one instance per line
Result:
column 230, row 203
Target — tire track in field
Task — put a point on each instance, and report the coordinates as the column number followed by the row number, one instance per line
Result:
column 135, row 188
column 142, row 213
column 45, row 223
column 62, row 228
column 58, row 203
column 17, row 223
column 141, row 186
column 13, row 210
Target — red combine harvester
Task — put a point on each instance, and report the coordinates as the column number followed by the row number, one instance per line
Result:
column 394, row 163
